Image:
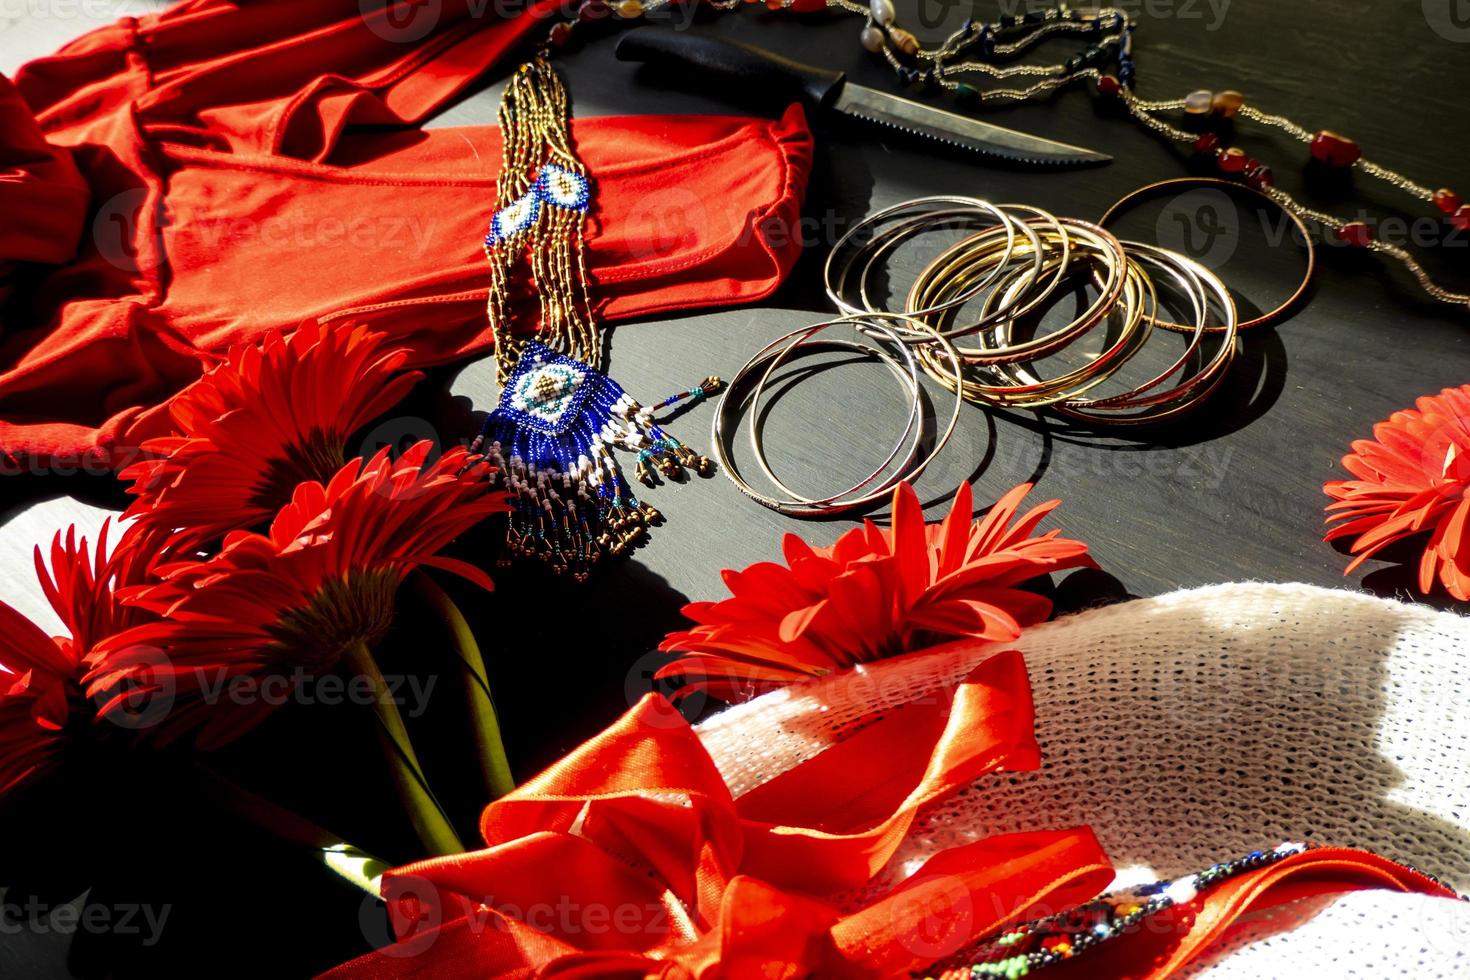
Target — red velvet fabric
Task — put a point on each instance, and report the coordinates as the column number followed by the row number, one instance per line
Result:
column 182, row 182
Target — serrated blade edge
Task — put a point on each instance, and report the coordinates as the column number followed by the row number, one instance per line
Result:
column 958, row 131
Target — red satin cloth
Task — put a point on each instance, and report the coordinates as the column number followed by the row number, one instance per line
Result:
column 629, row 859
column 181, row 182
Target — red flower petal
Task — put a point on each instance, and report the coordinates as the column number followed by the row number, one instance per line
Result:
column 321, row 580
column 955, row 531
column 266, row 418
column 967, row 617
column 1412, row 478
column 870, row 594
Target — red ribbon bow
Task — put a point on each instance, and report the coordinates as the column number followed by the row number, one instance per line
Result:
column 630, row 858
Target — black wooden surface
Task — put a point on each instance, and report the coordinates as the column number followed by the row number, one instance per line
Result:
column 1231, row 493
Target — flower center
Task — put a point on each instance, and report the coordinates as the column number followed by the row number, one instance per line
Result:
column 318, row 458
column 343, row 613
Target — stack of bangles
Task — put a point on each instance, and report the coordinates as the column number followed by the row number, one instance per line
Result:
column 970, row 324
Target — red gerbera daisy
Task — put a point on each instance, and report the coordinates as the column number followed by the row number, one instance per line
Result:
column 873, row 594
column 267, row 418
column 40, row 676
column 1413, row 478
column 319, row 583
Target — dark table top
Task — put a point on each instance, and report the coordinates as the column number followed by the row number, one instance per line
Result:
column 1231, row 493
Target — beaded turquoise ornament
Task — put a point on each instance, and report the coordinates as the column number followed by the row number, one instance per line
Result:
column 552, row 435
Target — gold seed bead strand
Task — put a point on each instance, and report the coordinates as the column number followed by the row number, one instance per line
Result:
column 1053, row 78
column 1420, row 275
column 533, row 120
column 1145, row 113
column 1362, row 163
column 1055, row 22
column 881, row 34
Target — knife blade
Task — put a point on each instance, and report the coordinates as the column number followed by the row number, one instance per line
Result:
column 755, row 69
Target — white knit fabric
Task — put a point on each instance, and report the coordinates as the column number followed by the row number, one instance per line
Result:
column 1198, row 726
column 1367, row 935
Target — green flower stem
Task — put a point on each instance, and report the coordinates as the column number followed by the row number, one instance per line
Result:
column 429, row 820
column 352, row 863
column 491, row 747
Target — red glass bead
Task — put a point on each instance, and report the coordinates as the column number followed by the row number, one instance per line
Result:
column 1447, row 200
column 1208, row 143
column 1334, row 150
column 1260, row 177
column 561, row 32
column 1461, row 218
column 808, row 6
column 1232, row 160
column 593, row 10
column 1356, row 233
column 1109, row 85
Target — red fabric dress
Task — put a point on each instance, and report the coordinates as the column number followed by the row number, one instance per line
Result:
column 182, row 182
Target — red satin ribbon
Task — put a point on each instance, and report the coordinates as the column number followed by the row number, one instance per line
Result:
column 629, row 858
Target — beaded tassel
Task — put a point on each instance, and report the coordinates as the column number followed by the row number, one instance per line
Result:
column 551, row 436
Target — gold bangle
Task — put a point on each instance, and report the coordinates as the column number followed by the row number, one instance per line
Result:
column 930, row 210
column 1198, row 282
column 1173, row 185
column 1133, row 291
column 981, row 250
column 1025, row 391
column 964, row 258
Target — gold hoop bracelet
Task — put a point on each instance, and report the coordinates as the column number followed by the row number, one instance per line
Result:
column 978, row 253
column 1132, row 298
column 1174, row 185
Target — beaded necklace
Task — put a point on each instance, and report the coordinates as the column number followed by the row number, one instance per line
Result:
column 979, row 48
column 1111, row 33
column 1058, row 938
column 551, row 436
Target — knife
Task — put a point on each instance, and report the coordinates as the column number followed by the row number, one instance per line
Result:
column 771, row 74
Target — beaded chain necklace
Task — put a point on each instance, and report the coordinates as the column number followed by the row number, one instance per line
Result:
column 1056, row 939
column 1111, row 32
column 551, row 436
column 976, row 47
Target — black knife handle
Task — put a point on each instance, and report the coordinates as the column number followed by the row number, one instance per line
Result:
column 739, row 64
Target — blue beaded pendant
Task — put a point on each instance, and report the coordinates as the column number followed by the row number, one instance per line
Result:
column 514, row 218
column 551, row 438
column 552, row 435
column 563, row 188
